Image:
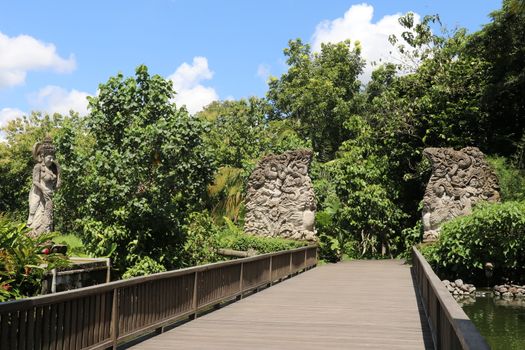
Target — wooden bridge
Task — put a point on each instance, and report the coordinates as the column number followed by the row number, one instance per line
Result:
column 355, row 305
column 251, row 303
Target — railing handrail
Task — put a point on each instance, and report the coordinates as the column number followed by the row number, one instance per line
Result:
column 467, row 334
column 8, row 306
column 205, row 285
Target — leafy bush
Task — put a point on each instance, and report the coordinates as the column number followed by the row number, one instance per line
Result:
column 232, row 237
column 200, row 246
column 336, row 248
column 511, row 179
column 137, row 167
column 410, row 237
column 23, row 261
column 357, row 200
column 144, row 266
column 335, row 243
column 493, row 233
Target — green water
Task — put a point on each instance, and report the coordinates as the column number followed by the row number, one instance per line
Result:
column 501, row 322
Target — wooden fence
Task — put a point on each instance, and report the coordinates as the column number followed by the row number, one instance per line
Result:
column 105, row 315
column 451, row 328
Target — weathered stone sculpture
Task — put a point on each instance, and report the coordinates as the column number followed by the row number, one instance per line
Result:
column 46, row 179
column 459, row 180
column 280, row 199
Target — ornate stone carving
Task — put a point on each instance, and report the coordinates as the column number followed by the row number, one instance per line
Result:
column 459, row 180
column 46, row 179
column 280, row 199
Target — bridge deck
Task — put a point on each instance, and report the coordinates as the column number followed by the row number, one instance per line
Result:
column 351, row 305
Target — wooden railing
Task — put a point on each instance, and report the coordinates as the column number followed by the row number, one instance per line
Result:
column 451, row 328
column 105, row 315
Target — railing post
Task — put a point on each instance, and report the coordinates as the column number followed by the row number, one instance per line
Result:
column 241, row 282
column 305, row 257
column 115, row 318
column 271, row 277
column 195, row 300
column 290, row 268
column 108, row 272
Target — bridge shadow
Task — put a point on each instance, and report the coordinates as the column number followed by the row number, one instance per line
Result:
column 425, row 327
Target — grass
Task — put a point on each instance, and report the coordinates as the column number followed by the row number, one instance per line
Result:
column 74, row 244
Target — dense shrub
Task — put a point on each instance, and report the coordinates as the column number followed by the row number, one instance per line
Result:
column 493, row 233
column 511, row 179
column 200, row 245
column 232, row 237
column 336, row 248
column 22, row 262
column 144, row 266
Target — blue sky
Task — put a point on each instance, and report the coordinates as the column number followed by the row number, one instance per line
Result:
column 54, row 53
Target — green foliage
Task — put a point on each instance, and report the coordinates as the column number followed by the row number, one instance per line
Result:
column 22, row 262
column 226, row 194
column 136, row 167
column 410, row 237
column 74, row 244
column 361, row 205
column 511, row 179
column 319, row 91
column 200, row 246
column 336, row 248
column 237, row 130
column 493, row 233
column 138, row 174
column 143, row 267
column 240, row 134
column 16, row 160
column 501, row 44
column 232, row 237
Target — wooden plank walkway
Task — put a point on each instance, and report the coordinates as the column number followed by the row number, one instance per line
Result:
column 352, row 305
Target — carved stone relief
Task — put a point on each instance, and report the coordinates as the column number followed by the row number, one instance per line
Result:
column 280, row 199
column 459, row 180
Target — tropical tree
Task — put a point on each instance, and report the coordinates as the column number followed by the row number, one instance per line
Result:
column 319, row 91
column 145, row 170
column 240, row 134
column 501, row 44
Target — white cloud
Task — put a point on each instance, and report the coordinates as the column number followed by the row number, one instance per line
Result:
column 263, row 71
column 356, row 25
column 187, row 84
column 54, row 99
column 23, row 53
column 7, row 114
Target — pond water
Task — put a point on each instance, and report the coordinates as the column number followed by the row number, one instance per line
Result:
column 500, row 321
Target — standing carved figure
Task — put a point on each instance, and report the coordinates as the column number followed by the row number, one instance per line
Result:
column 46, row 179
column 459, row 180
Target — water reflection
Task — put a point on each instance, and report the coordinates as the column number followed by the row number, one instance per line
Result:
column 500, row 321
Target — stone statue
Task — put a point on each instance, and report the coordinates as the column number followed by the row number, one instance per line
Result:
column 280, row 199
column 46, row 179
column 459, row 180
